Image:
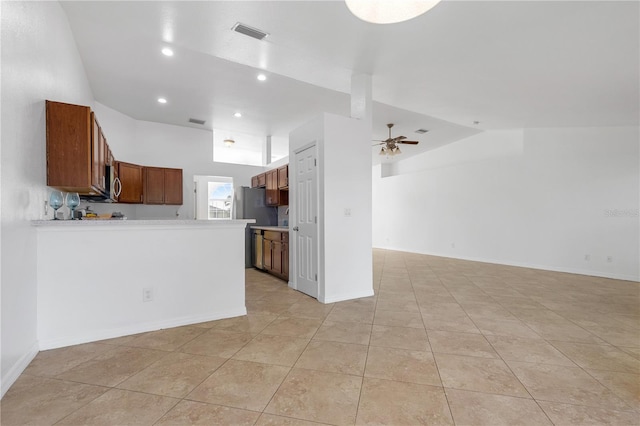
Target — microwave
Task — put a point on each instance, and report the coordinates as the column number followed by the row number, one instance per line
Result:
column 112, row 188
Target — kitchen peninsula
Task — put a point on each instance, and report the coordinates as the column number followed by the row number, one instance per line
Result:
column 100, row 279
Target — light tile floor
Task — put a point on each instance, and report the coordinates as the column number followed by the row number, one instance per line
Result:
column 443, row 342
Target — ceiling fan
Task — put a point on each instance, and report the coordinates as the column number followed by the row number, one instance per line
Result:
column 390, row 146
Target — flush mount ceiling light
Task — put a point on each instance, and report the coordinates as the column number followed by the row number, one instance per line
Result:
column 237, row 115
column 167, row 51
column 389, row 12
column 229, row 143
column 262, row 77
column 162, row 101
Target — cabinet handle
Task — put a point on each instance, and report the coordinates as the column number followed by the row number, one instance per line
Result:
column 119, row 190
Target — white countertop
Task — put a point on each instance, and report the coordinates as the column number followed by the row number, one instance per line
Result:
column 271, row 228
column 149, row 222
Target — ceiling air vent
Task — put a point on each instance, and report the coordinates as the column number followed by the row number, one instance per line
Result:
column 196, row 121
column 248, row 31
column 421, row 131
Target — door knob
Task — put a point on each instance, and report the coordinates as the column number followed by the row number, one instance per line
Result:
column 295, row 228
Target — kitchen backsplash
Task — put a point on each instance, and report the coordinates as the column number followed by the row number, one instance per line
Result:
column 283, row 215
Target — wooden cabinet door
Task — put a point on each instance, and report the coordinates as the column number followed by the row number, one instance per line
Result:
column 98, row 155
column 102, row 162
column 173, row 186
column 130, row 176
column 276, row 257
column 267, row 252
column 69, row 155
column 272, row 188
column 254, row 182
column 285, row 260
column 96, row 176
column 262, row 180
column 153, row 185
column 283, row 177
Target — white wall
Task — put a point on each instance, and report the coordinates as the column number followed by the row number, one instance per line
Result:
column 344, row 242
column 39, row 61
column 534, row 197
column 192, row 280
column 347, row 187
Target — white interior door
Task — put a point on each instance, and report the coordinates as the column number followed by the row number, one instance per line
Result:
column 306, row 226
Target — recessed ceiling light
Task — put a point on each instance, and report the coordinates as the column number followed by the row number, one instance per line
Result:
column 237, row 115
column 167, row 52
column 162, row 100
column 262, row 77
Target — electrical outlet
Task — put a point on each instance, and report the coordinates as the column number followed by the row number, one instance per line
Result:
column 347, row 212
column 587, row 257
column 609, row 259
column 147, row 294
column 453, row 245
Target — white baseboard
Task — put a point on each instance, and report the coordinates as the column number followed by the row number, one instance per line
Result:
column 96, row 335
column 16, row 370
column 578, row 271
column 347, row 296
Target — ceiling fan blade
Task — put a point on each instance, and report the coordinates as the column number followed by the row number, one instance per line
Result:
column 409, row 142
column 377, row 144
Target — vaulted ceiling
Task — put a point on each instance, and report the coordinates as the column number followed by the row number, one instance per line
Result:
column 504, row 64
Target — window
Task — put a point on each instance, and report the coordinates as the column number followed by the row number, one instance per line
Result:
column 220, row 200
column 214, row 197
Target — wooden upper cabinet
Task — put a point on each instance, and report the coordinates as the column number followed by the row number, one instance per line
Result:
column 162, row 186
column 173, row 186
column 259, row 181
column 130, row 177
column 283, row 177
column 153, row 185
column 277, row 185
column 77, row 150
column 272, row 192
column 70, row 164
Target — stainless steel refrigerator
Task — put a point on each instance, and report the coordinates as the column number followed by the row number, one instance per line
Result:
column 252, row 204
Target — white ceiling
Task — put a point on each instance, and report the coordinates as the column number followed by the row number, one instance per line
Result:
column 506, row 64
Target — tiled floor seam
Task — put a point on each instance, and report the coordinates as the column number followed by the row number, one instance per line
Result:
column 431, row 348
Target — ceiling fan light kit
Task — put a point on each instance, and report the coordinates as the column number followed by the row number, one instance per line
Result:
column 390, row 146
column 389, row 11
